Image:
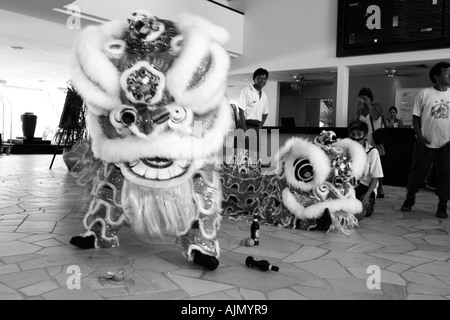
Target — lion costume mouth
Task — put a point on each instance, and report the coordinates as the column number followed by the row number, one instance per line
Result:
column 157, row 172
column 311, row 204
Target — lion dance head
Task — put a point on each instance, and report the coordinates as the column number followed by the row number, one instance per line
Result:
column 156, row 115
column 319, row 177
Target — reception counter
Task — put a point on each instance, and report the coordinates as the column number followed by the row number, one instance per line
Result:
column 396, row 163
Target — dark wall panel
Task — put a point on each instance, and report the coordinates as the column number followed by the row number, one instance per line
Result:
column 404, row 25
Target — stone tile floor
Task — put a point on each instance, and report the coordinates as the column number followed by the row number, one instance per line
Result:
column 40, row 212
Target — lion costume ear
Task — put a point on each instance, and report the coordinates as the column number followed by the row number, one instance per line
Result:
column 94, row 74
column 202, row 45
column 281, row 156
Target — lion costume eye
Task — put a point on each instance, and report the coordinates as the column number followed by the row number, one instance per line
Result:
column 303, row 170
column 128, row 116
column 177, row 114
column 123, row 117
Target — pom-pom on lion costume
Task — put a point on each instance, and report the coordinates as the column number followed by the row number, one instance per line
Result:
column 316, row 181
column 157, row 116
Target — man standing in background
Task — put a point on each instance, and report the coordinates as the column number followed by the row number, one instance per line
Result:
column 253, row 103
column 254, row 109
column 431, row 123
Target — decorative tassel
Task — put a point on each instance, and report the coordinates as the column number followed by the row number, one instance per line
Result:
column 343, row 221
column 158, row 211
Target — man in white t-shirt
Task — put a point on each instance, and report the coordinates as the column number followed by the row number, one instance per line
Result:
column 254, row 108
column 253, row 103
column 431, row 123
column 373, row 172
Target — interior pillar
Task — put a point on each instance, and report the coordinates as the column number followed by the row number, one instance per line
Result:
column 343, row 76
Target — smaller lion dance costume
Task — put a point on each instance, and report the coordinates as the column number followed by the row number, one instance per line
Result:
column 157, row 118
column 314, row 184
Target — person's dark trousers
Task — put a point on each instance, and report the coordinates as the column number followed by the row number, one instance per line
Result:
column 442, row 164
column 422, row 160
column 360, row 191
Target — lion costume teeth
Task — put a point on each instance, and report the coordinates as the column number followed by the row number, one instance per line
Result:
column 157, row 116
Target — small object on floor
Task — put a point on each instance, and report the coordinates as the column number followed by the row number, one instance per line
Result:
column 250, row 242
column 380, row 195
column 117, row 276
column 209, row 262
column 83, row 242
column 263, row 265
column 254, row 229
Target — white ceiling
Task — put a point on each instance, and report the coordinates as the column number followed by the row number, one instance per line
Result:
column 38, row 65
column 42, row 9
column 44, row 60
column 46, row 41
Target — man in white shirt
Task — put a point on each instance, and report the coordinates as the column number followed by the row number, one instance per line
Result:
column 431, row 123
column 253, row 103
column 254, row 108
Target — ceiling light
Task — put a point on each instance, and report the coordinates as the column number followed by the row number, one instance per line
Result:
column 391, row 72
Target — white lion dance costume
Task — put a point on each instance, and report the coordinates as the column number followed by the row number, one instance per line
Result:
column 157, row 116
column 315, row 184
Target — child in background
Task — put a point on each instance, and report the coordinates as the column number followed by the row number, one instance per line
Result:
column 366, row 190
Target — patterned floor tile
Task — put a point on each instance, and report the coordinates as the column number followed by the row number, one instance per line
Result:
column 434, row 268
column 196, row 287
column 285, row 294
column 12, row 248
column 41, row 209
column 39, row 288
column 326, row 269
column 306, row 253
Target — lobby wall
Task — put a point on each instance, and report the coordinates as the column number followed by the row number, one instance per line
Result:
column 307, row 39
